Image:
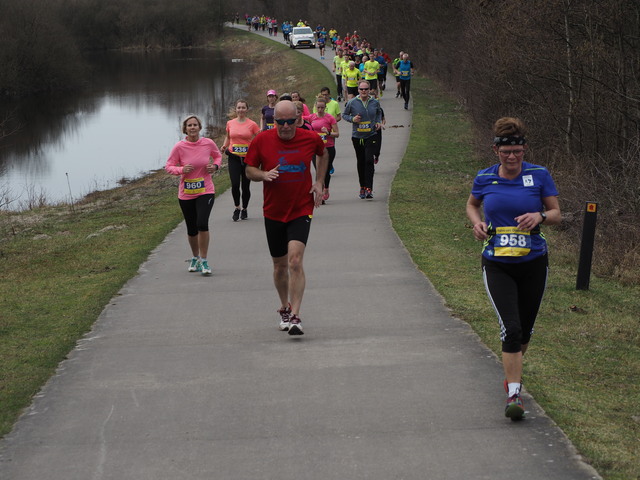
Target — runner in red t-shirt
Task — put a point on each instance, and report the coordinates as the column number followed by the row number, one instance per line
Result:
column 281, row 158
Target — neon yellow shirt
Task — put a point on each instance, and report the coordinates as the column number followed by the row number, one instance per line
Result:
column 352, row 76
column 371, row 68
column 345, row 66
column 338, row 61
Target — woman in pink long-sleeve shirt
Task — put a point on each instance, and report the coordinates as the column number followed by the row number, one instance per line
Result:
column 195, row 158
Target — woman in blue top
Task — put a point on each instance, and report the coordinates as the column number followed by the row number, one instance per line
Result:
column 518, row 197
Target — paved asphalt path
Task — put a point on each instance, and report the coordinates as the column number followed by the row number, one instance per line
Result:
column 187, row 377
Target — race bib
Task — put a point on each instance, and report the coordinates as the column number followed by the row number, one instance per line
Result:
column 323, row 136
column 511, row 242
column 239, row 150
column 193, row 186
column 270, row 126
column 364, row 127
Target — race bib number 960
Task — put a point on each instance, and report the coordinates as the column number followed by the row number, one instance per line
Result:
column 511, row 242
column 193, row 186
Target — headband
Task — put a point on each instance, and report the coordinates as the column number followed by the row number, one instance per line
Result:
column 509, row 141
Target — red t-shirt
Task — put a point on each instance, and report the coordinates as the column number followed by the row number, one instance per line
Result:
column 288, row 197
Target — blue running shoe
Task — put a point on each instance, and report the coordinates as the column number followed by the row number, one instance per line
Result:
column 195, row 265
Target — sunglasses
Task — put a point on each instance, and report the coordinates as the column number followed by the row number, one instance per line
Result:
column 288, row 121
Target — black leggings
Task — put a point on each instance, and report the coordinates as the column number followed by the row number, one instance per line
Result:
column 405, row 87
column 332, row 155
column 339, row 83
column 196, row 213
column 516, row 291
column 378, row 143
column 365, row 149
column 238, row 177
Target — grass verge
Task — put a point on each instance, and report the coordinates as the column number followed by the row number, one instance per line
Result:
column 584, row 362
column 61, row 267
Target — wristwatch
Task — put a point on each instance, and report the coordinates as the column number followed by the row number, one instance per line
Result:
column 544, row 217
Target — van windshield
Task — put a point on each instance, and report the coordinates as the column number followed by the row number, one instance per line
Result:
column 302, row 30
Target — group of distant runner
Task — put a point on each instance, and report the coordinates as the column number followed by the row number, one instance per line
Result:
column 355, row 58
column 280, row 149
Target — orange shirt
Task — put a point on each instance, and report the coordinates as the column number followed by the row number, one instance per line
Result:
column 240, row 135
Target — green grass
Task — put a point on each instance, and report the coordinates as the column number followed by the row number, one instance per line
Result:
column 583, row 366
column 71, row 277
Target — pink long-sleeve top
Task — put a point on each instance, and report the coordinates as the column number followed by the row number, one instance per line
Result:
column 199, row 154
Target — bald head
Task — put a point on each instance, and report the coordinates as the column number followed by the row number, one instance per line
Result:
column 285, row 110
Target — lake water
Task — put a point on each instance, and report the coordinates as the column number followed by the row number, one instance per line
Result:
column 122, row 126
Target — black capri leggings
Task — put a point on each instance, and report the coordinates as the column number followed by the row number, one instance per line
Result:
column 332, row 155
column 196, row 213
column 516, row 291
column 239, row 179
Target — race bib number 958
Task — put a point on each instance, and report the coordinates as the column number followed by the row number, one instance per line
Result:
column 511, row 242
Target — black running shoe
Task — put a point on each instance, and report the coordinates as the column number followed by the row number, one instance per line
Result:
column 236, row 215
column 243, row 214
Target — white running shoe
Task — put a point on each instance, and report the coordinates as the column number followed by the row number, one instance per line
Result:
column 285, row 315
column 205, row 269
column 295, row 326
column 195, row 265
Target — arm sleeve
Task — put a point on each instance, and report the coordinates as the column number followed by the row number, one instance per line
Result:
column 215, row 154
column 319, row 146
column 173, row 162
column 253, row 157
column 548, row 186
column 346, row 114
column 477, row 190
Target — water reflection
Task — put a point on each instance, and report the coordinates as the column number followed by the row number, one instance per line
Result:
column 123, row 125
